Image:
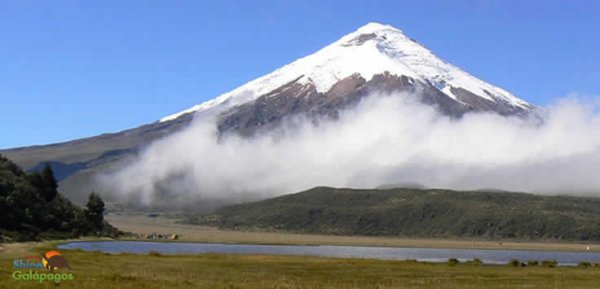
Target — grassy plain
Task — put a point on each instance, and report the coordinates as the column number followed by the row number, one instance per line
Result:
column 146, row 225
column 103, row 271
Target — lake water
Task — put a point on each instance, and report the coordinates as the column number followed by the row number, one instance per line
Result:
column 391, row 253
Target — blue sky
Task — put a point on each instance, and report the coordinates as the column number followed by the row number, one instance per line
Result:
column 71, row 69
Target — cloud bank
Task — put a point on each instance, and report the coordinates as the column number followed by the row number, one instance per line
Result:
column 384, row 140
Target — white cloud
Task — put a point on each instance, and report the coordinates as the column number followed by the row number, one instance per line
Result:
column 384, row 140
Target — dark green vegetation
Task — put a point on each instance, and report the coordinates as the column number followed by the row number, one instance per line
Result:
column 97, row 270
column 417, row 213
column 32, row 209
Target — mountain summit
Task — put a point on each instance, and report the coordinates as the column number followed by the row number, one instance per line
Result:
column 374, row 52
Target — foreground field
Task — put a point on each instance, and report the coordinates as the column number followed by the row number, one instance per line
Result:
column 145, row 225
column 98, row 270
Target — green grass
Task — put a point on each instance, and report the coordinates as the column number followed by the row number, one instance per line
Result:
column 98, row 270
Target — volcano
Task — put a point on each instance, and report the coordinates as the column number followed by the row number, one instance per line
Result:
column 376, row 58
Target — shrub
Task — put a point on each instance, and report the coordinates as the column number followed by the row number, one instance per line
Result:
column 453, row 262
column 584, row 264
column 532, row 263
column 514, row 263
column 549, row 263
column 477, row 262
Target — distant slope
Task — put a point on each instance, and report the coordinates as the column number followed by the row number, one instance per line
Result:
column 418, row 213
column 77, row 162
column 94, row 148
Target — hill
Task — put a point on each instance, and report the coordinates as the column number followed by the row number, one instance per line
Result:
column 417, row 213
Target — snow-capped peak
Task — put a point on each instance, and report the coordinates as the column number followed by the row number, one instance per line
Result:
column 372, row 49
column 373, row 27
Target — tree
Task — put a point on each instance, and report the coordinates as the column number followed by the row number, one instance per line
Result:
column 94, row 210
column 50, row 185
column 44, row 182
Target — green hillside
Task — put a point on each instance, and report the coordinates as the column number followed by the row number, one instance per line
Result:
column 417, row 213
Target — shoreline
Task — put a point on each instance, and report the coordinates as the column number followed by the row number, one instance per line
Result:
column 141, row 224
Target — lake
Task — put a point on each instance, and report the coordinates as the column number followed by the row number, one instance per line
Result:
column 389, row 253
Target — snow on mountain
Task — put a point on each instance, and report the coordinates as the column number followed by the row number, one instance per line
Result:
column 370, row 50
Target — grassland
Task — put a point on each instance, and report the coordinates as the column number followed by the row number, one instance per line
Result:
column 145, row 225
column 97, row 270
